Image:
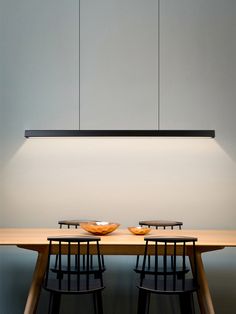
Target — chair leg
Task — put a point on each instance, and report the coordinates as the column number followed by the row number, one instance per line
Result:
column 103, row 262
column 97, row 300
column 143, row 302
column 95, row 303
column 137, row 262
column 149, row 261
column 148, row 301
column 54, row 303
column 186, row 303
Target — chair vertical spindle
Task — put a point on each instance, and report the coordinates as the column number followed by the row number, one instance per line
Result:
column 174, row 267
column 137, row 261
column 69, row 264
column 78, row 266
column 144, row 263
column 99, row 262
column 165, row 265
column 195, row 263
column 91, row 261
column 87, row 266
column 48, row 264
column 156, row 263
column 60, row 272
column 184, row 266
column 84, row 261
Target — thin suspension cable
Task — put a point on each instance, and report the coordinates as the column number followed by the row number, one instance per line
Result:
column 79, row 65
column 158, row 68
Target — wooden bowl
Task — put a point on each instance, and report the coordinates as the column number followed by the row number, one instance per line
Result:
column 99, row 227
column 138, row 230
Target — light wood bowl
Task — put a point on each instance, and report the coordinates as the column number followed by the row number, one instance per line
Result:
column 138, row 230
column 99, row 227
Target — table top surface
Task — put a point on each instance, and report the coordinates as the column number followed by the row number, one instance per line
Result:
column 38, row 236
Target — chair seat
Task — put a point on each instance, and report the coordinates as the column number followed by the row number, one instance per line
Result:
column 161, row 223
column 179, row 271
column 169, row 286
column 83, row 288
column 74, row 222
column 73, row 270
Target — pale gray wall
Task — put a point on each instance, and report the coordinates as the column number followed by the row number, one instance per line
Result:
column 119, row 64
column 198, row 69
column 123, row 180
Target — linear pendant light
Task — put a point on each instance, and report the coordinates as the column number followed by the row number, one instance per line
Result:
column 117, row 133
column 123, row 133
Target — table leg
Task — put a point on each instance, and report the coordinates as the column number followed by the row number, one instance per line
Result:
column 204, row 296
column 35, row 288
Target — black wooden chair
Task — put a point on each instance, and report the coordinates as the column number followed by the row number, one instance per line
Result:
column 163, row 224
column 158, row 278
column 73, row 276
column 75, row 223
column 71, row 223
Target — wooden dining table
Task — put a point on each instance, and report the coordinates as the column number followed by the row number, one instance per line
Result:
column 120, row 242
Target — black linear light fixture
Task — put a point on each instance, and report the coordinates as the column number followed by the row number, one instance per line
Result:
column 119, row 133
column 122, row 133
